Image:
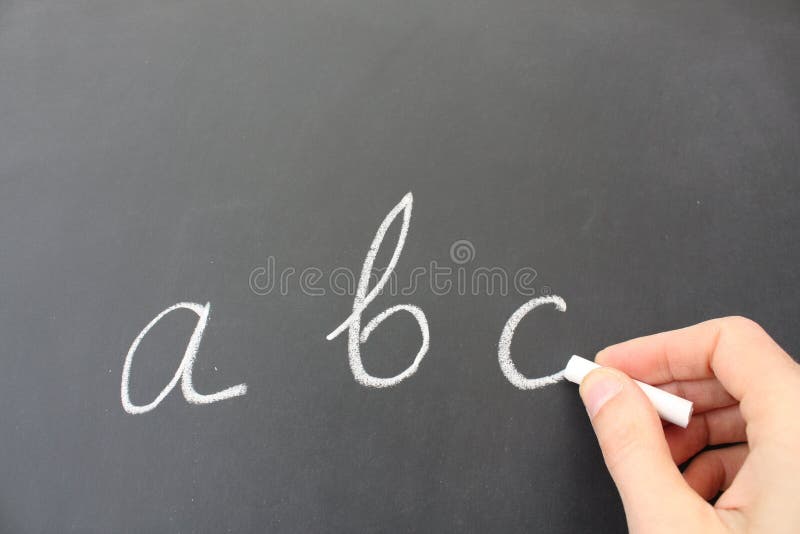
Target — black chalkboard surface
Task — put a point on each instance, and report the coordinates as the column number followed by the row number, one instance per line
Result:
column 638, row 160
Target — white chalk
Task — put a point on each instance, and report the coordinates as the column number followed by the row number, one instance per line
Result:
column 670, row 407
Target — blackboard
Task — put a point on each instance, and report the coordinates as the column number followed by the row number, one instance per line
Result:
column 639, row 160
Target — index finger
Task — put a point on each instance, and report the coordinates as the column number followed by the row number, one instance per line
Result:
column 743, row 357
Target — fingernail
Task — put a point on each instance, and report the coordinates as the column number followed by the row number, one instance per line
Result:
column 597, row 389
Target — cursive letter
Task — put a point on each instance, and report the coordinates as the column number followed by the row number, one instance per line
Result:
column 504, row 345
column 184, row 372
column 362, row 299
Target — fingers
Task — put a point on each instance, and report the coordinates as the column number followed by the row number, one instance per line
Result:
column 632, row 440
column 706, row 394
column 716, row 427
column 713, row 471
column 747, row 362
column 688, row 353
column 665, row 357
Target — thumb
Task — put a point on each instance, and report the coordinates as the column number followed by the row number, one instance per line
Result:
column 631, row 437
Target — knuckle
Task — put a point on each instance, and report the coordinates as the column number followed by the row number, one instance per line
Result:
column 741, row 323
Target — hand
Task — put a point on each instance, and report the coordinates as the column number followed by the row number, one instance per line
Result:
column 745, row 389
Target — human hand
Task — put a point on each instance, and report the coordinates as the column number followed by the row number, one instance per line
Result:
column 745, row 389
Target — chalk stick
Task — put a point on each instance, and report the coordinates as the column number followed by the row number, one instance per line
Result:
column 670, row 407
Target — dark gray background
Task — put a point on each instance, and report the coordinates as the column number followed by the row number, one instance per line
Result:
column 641, row 156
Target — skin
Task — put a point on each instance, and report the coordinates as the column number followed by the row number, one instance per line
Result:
column 746, row 393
